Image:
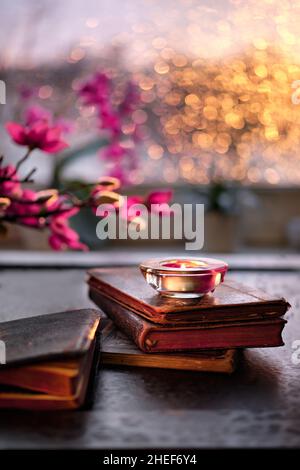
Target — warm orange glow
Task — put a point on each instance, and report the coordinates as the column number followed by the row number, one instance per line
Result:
column 184, row 264
column 223, row 93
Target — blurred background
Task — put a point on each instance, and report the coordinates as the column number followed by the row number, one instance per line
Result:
column 218, row 119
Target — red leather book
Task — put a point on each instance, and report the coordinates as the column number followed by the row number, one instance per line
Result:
column 234, row 317
column 118, row 350
column 150, row 337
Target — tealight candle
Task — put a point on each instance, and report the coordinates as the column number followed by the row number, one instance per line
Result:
column 184, row 277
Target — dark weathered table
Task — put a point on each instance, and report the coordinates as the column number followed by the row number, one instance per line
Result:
column 258, row 406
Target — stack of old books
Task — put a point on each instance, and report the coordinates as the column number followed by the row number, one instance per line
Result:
column 146, row 329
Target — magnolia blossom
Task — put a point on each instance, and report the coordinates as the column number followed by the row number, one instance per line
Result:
column 26, row 208
column 9, row 184
column 115, row 114
column 109, row 120
column 52, row 210
column 35, row 114
column 37, row 135
column 43, row 209
column 40, row 130
column 95, row 90
column 131, row 99
column 62, row 236
column 161, row 198
column 115, row 151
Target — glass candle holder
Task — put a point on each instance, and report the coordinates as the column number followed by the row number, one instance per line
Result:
column 184, row 277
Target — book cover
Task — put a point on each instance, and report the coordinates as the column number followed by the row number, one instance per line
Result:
column 51, row 360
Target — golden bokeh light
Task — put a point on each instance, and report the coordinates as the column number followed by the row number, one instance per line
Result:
column 220, row 84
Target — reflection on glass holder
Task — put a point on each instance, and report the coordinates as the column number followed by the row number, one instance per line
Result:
column 185, row 278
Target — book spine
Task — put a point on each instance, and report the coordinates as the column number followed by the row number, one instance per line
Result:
column 265, row 334
column 131, row 325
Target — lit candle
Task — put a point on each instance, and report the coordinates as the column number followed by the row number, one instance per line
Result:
column 184, row 277
column 183, row 264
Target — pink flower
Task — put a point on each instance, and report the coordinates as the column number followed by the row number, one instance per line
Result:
column 23, row 209
column 38, row 135
column 114, row 112
column 131, row 100
column 131, row 201
column 36, row 113
column 105, row 196
column 156, row 197
column 109, row 120
column 62, row 236
column 161, row 198
column 9, row 184
column 115, row 151
column 96, row 90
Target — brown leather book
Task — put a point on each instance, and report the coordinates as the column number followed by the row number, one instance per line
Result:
column 153, row 338
column 118, row 350
column 230, row 302
column 51, row 360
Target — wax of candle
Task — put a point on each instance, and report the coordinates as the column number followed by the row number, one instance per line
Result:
column 184, row 264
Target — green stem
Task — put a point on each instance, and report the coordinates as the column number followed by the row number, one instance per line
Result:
column 71, row 155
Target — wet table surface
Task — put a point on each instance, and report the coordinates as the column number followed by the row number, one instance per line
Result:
column 259, row 405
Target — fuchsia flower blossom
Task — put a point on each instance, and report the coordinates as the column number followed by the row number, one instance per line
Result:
column 9, row 186
column 26, row 211
column 52, row 209
column 36, row 113
column 159, row 197
column 96, row 90
column 40, row 131
column 131, row 100
column 39, row 209
column 130, row 202
column 162, row 198
column 99, row 91
column 62, row 236
column 37, row 135
column 109, row 120
column 115, row 151
column 105, row 196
